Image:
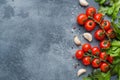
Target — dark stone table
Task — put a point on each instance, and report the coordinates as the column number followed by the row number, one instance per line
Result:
column 36, row 39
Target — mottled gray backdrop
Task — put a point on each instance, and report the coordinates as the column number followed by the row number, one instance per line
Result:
column 36, row 39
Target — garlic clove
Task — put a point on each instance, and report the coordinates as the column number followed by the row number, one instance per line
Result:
column 77, row 41
column 83, row 3
column 80, row 72
column 88, row 36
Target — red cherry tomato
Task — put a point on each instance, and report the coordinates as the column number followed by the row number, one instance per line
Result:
column 110, row 59
column 111, row 33
column 105, row 24
column 86, row 47
column 96, row 63
column 90, row 11
column 86, row 60
column 105, row 44
column 79, row 54
column 99, row 34
column 90, row 25
column 98, row 17
column 81, row 19
column 104, row 67
column 103, row 55
column 95, row 51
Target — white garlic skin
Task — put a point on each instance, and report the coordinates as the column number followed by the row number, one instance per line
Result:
column 83, row 3
column 88, row 36
column 77, row 40
column 80, row 72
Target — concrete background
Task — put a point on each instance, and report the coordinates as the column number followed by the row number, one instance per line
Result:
column 36, row 39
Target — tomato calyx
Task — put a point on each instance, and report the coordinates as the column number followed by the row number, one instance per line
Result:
column 98, row 62
column 92, row 13
column 97, row 53
column 106, row 67
column 89, row 51
column 105, row 44
column 111, row 33
column 90, row 23
column 104, row 57
column 84, row 20
column 105, row 23
column 101, row 34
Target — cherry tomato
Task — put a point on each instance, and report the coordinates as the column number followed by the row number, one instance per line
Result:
column 110, row 59
column 105, row 44
column 99, row 34
column 95, row 50
column 105, row 24
column 86, row 60
column 86, row 47
column 81, row 19
column 104, row 67
column 79, row 54
column 90, row 11
column 98, row 17
column 96, row 63
column 103, row 55
column 111, row 33
column 90, row 25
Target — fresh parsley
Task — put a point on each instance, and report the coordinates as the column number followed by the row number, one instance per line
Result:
column 109, row 7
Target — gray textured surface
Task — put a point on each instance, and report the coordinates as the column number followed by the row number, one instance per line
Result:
column 36, row 39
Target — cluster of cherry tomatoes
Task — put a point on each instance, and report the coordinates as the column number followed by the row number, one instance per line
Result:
column 90, row 24
column 93, row 55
